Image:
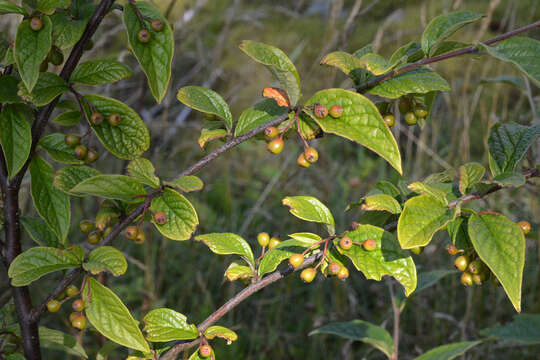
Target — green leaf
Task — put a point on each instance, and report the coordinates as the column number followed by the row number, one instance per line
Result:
column 9, row 89
column 374, row 63
column 56, row 146
column 449, row 351
column 211, row 130
column 68, row 177
column 446, row 176
column 117, row 187
column 226, row 244
column 155, row 56
column 522, row 52
column 31, row 48
column 380, row 202
column 207, row 101
column 308, row 238
column 363, row 50
column 343, row 61
column 106, row 258
column 68, row 118
column 360, row 330
column 15, row 137
column 187, row 183
column 458, row 233
column 182, row 218
column 422, row 216
column 448, row 46
column 236, row 271
column 58, row 340
column 221, row 332
column 505, row 79
column 110, row 317
column 419, row 81
column 48, row 87
column 441, row 27
column 430, row 278
column 430, row 190
column 164, row 324
column 408, row 53
column 469, row 175
column 500, row 244
column 38, row 230
column 278, row 63
column 508, row 143
column 51, row 204
column 66, row 30
column 143, row 170
column 38, row 261
column 360, row 122
column 257, row 115
column 282, row 251
column 7, row 7
column 99, row 72
column 387, row 259
column 49, row 6
column 127, row 140
column 310, row 209
column 510, row 179
column 524, row 329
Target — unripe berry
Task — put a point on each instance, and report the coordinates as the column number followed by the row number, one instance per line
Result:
column 343, row 273
column 72, row 139
column 404, row 105
column 143, row 36
column 44, row 66
column 308, row 274
column 114, row 119
column 205, row 350
column 80, row 151
column 410, row 118
column 417, row 250
column 89, row 45
column 107, row 203
column 320, row 111
column 336, row 111
column 311, row 155
column 141, row 237
column 36, row 23
column 79, row 322
column 525, row 226
column 467, row 279
column 345, row 243
column 72, row 290
column 275, row 146
column 296, row 260
column 160, row 218
column 156, row 24
column 389, row 120
column 263, row 239
column 301, row 161
column 86, row 226
column 420, row 111
column 91, row 156
column 271, row 132
column 78, row 305
column 452, row 249
column 53, row 306
column 478, row 279
column 107, row 231
column 462, row 262
column 274, row 242
column 96, row 118
column 94, row 237
column 476, row 267
column 333, row 268
column 369, row 244
column 55, row 56
column 131, row 232
column 72, row 316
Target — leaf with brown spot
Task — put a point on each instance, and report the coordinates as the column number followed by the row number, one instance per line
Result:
column 277, row 94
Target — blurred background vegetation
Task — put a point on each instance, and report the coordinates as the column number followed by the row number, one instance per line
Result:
column 244, row 188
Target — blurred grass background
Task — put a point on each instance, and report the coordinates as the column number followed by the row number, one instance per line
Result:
column 244, row 188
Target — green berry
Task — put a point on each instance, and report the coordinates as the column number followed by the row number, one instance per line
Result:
column 96, row 118
column 275, row 146
column 156, row 24
column 345, row 243
column 296, row 260
column 301, row 161
column 89, row 45
column 160, row 218
column 86, row 226
column 308, row 274
column 44, row 66
column 467, row 279
column 36, row 23
column 72, row 139
column 131, row 232
column 343, row 273
column 80, row 151
column 525, row 226
column 72, row 316
column 91, row 156
column 72, row 290
column 335, row 111
column 420, row 111
column 404, row 105
column 271, row 132
column 311, row 155
column 79, row 322
column 389, row 120
column 140, row 238
column 410, row 118
column 273, row 242
column 55, row 56
column 263, row 239
column 94, row 237
column 53, row 306
column 78, row 305
column 114, row 119
column 320, row 111
column 476, row 267
column 462, row 262
column 143, row 36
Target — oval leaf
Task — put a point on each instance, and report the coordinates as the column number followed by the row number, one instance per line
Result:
column 182, row 218
column 418, row 81
column 221, row 332
column 106, row 258
column 343, row 61
column 110, row 317
column 469, row 175
column 56, row 146
column 207, row 101
column 164, row 324
column 48, row 87
column 7, row 7
column 381, row 202
column 127, row 140
column 143, row 170
column 38, row 261
column 449, row 351
column 99, row 72
column 187, row 183
column 155, row 56
column 15, row 138
column 525, row 329
column 117, row 187
column 500, row 244
column 68, row 118
column 226, row 244
column 310, row 209
column 38, row 230
column 257, row 115
column 58, row 340
column 236, row 271
column 360, row 122
column 68, row 177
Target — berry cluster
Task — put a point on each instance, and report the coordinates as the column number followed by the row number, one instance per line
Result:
column 411, row 111
column 473, row 271
column 80, row 151
column 265, row 240
column 106, row 218
column 76, row 318
column 114, row 119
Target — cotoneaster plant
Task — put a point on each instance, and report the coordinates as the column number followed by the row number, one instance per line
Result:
column 137, row 202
